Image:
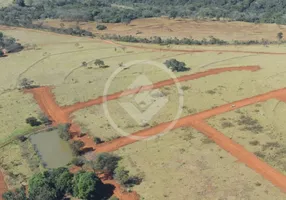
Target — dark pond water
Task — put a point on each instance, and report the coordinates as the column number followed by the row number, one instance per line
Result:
column 54, row 151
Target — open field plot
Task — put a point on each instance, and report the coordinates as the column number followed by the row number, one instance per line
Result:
column 4, row 3
column 181, row 28
column 15, row 107
column 184, row 164
column 198, row 95
column 19, row 162
column 259, row 128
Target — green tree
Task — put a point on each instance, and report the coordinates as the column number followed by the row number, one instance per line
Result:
column 20, row 2
column 99, row 62
column 175, row 65
column 64, row 131
column 76, row 147
column 87, row 186
column 101, row 27
column 106, row 162
column 40, row 188
column 18, row 194
column 121, row 175
column 280, row 36
column 33, row 121
column 62, row 180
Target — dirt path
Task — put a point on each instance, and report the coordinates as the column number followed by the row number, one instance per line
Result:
column 3, row 186
column 45, row 99
column 100, row 100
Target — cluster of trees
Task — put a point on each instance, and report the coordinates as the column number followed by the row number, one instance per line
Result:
column 190, row 41
column 9, row 44
column 22, row 12
column 158, row 40
column 42, row 119
column 58, row 183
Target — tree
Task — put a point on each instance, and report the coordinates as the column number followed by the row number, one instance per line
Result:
column 44, row 119
column 26, row 83
column 78, row 161
column 62, row 180
column 106, row 162
column 97, row 140
column 76, row 147
column 40, row 187
column 1, row 53
column 99, row 62
column 121, row 175
column 87, row 186
column 64, row 131
column 18, row 194
column 175, row 65
column 20, row 2
column 280, row 36
column 33, row 121
column 101, row 27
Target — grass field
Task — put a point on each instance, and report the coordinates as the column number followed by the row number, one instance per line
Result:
column 195, row 165
column 184, row 164
column 259, row 128
column 180, row 28
column 4, row 3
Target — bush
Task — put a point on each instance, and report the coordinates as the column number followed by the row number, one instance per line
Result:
column 106, row 162
column 121, row 175
column 78, row 161
column 175, row 65
column 64, row 131
column 87, row 186
column 113, row 198
column 76, row 147
column 44, row 119
column 33, row 121
column 101, row 27
column 97, row 140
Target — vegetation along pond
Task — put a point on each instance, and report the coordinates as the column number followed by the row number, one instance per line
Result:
column 53, row 151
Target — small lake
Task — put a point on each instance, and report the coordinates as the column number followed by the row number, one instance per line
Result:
column 54, row 151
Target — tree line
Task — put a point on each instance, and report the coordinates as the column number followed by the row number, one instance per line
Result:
column 23, row 12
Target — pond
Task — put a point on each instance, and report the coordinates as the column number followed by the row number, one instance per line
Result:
column 54, row 151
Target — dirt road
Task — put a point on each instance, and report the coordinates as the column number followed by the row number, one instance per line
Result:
column 45, row 99
column 3, row 186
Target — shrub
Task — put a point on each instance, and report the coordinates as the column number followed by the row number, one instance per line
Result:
column 64, row 131
column 101, row 27
column 44, row 119
column 76, row 147
column 97, row 140
column 121, row 175
column 113, row 198
column 175, row 65
column 78, row 161
column 33, row 121
column 106, row 162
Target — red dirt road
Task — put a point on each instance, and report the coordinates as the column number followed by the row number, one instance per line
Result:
column 100, row 100
column 45, row 99
column 3, row 186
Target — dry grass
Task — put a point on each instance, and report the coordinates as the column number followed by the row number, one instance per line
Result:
column 171, row 164
column 19, row 163
column 181, row 28
column 267, row 143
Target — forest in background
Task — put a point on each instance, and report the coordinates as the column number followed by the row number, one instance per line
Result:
column 23, row 12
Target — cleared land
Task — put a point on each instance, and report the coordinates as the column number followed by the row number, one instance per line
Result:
column 58, row 57
column 185, row 164
column 181, row 28
column 259, row 128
